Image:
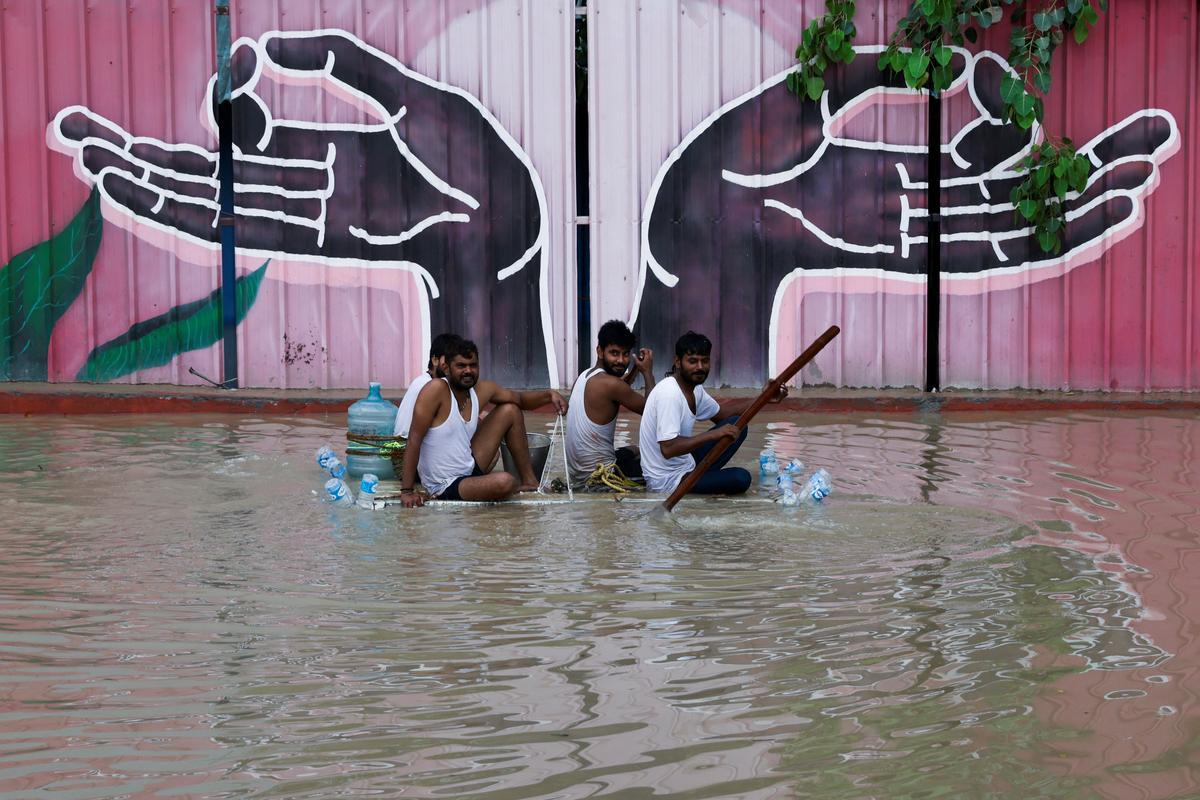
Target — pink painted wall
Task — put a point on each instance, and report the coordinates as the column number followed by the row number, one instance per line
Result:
column 1115, row 312
column 1119, row 314
column 144, row 68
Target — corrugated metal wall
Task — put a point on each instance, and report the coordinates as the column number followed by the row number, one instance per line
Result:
column 677, row 93
column 144, row 66
column 683, row 120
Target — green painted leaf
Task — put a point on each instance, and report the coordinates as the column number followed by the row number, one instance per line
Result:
column 39, row 285
column 191, row 326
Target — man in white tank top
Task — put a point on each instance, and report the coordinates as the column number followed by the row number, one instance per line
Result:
column 453, row 449
column 596, row 399
column 435, row 369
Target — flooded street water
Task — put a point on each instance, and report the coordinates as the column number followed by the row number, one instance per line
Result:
column 987, row 606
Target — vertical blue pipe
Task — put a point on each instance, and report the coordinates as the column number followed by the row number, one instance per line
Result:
column 229, row 360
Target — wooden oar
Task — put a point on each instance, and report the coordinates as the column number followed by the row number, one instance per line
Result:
column 744, row 418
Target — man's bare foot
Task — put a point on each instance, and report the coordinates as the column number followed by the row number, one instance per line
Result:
column 527, row 487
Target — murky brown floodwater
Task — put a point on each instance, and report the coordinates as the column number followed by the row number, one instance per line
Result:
column 986, row 607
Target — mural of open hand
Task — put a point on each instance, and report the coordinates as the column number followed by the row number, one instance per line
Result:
column 772, row 187
column 427, row 181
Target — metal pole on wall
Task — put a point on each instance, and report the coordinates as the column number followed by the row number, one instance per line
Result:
column 229, row 352
column 933, row 263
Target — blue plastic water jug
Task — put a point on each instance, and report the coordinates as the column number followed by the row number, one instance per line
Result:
column 375, row 416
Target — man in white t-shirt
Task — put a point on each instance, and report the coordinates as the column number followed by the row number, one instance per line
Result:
column 668, row 447
column 435, row 369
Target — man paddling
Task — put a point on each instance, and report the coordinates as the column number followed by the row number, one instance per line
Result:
column 453, row 449
column 597, row 397
column 436, row 368
column 669, row 449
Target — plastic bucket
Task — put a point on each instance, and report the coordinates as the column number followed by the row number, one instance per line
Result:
column 539, row 451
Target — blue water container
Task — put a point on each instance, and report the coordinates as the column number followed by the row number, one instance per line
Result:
column 375, row 416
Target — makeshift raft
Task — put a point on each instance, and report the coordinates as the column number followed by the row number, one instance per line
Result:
column 387, row 494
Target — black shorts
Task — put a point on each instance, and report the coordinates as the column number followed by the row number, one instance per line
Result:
column 630, row 463
column 451, row 491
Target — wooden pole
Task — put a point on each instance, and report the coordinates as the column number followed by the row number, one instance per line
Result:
column 773, row 387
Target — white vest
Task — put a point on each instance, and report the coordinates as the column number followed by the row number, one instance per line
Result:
column 588, row 445
column 408, row 403
column 446, row 449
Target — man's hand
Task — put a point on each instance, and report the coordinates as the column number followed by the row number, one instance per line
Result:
column 779, row 395
column 413, row 499
column 559, row 403
column 644, row 361
column 725, row 432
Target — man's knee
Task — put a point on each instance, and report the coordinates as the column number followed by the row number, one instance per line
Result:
column 509, row 412
column 739, row 480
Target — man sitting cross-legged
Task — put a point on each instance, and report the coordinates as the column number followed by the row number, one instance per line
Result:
column 453, row 449
column 669, row 448
column 597, row 398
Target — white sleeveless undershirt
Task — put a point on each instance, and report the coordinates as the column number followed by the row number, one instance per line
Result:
column 446, row 449
column 408, row 403
column 588, row 444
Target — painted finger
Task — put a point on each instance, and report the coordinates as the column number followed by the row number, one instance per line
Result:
column 74, row 124
column 284, row 174
column 184, row 159
column 168, row 214
column 851, row 87
column 367, row 73
column 1150, row 132
column 251, row 119
column 1100, row 224
column 1000, row 217
column 987, row 143
column 148, row 206
column 97, row 155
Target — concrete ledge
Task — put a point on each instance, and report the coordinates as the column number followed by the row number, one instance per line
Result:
column 83, row 398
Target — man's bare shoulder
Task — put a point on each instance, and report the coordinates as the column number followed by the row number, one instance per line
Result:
column 604, row 383
column 433, row 390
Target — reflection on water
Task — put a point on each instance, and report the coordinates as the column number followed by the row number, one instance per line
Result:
column 986, row 607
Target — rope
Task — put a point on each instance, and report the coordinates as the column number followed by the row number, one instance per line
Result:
column 566, row 467
column 608, row 477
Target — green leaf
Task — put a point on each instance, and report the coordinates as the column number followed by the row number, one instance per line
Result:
column 1047, row 240
column 191, row 326
column 835, row 39
column 1080, row 32
column 1041, row 175
column 1028, row 208
column 943, row 55
column 899, row 60
column 814, row 86
column 942, row 77
column 1074, row 5
column 1061, row 187
column 847, row 53
column 39, row 285
column 918, row 62
column 1042, row 81
column 1043, row 21
column 1011, row 89
column 884, row 62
